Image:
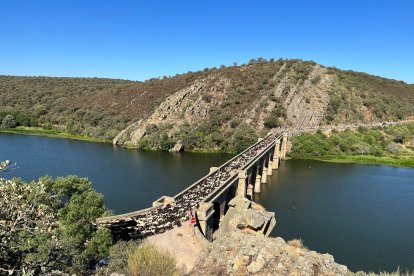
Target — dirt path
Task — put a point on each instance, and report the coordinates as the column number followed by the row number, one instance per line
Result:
column 182, row 243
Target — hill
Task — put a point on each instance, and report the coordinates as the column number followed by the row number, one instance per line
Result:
column 218, row 109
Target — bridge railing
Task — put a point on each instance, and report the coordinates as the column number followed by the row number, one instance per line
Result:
column 230, row 181
column 218, row 170
column 103, row 220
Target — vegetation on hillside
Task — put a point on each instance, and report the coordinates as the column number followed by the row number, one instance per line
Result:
column 359, row 97
column 92, row 107
column 253, row 98
column 392, row 145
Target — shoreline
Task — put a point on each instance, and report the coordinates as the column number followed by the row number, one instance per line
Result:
column 51, row 134
column 366, row 160
column 394, row 161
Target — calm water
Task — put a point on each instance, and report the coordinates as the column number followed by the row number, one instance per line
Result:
column 363, row 215
column 129, row 179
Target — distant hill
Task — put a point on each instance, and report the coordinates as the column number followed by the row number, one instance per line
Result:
column 220, row 109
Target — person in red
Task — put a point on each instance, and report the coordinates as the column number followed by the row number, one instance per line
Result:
column 193, row 222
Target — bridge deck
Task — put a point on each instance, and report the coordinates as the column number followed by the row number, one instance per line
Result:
column 159, row 219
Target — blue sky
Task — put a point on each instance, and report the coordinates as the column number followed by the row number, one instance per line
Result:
column 142, row 39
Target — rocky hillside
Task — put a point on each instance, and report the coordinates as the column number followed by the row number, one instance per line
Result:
column 221, row 109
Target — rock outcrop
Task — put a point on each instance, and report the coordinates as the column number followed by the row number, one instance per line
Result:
column 242, row 248
column 247, row 216
column 240, row 253
column 304, row 101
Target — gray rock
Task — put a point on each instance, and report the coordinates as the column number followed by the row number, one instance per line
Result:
column 239, row 253
column 242, row 216
column 177, row 147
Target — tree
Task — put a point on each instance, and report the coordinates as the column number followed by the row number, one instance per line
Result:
column 8, row 122
column 244, row 137
column 48, row 225
column 28, row 228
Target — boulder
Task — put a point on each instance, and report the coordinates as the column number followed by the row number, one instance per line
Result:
column 177, row 147
column 245, row 215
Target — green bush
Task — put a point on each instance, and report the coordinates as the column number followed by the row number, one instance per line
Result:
column 373, row 142
column 48, row 225
column 273, row 119
column 244, row 137
column 8, row 122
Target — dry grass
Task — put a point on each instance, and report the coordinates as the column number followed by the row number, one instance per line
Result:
column 298, row 243
column 149, row 260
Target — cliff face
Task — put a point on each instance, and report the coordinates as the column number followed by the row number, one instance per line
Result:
column 215, row 109
column 221, row 105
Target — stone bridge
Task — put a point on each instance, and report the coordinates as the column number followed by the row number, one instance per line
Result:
column 208, row 197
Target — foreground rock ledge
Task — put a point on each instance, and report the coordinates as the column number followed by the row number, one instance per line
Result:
column 243, row 251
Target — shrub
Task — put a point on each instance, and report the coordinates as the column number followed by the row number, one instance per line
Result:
column 244, row 137
column 119, row 254
column 166, row 142
column 207, row 98
column 298, row 243
column 273, row 119
column 272, row 122
column 149, row 260
column 8, row 122
column 394, row 148
column 234, row 123
column 315, row 80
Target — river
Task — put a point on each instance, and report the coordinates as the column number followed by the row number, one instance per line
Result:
column 361, row 214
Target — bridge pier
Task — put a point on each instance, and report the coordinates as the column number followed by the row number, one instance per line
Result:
column 270, row 166
column 276, row 153
column 205, row 219
column 249, row 193
column 241, row 187
column 284, row 146
column 258, row 182
column 264, row 171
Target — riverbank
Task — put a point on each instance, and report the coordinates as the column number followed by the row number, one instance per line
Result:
column 397, row 160
column 394, row 161
column 51, row 133
column 392, row 145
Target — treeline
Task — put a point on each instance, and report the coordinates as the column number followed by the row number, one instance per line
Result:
column 379, row 142
column 14, row 119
